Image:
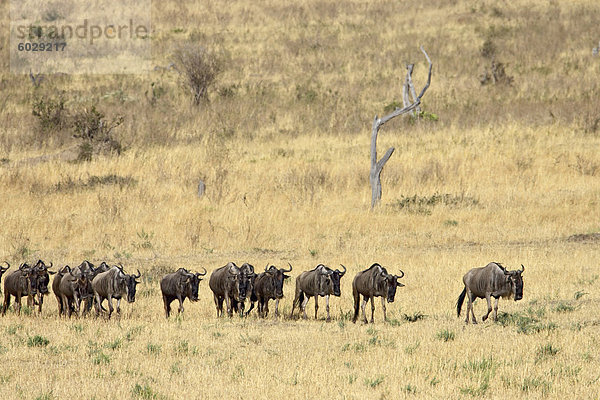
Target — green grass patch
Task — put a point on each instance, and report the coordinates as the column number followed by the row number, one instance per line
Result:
column 445, row 335
column 37, row 341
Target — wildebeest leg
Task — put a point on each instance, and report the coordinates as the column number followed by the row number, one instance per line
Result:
column 259, row 307
column 266, row 308
column 228, row 304
column 362, row 306
column 316, row 305
column 327, row 307
column 303, row 305
column 372, row 309
column 41, row 301
column 496, row 309
column 276, row 307
column 65, row 301
column 18, row 303
column 119, row 305
column 489, row 304
column 60, row 306
column 383, row 307
column 250, row 309
column 167, row 304
column 77, row 304
column 471, row 308
column 110, row 306
column 180, row 304
column 217, row 301
column 6, row 302
column 98, row 304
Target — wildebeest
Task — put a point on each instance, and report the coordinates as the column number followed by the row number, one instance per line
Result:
column 269, row 285
column 18, row 284
column 493, row 280
column 56, row 287
column 374, row 282
column 113, row 284
column 180, row 285
column 73, row 288
column 40, row 278
column 88, row 269
column 228, row 283
column 27, row 281
column 321, row 281
column 247, row 281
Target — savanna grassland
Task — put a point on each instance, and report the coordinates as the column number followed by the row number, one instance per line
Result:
column 502, row 168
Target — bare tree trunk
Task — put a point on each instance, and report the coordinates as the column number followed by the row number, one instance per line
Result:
column 377, row 166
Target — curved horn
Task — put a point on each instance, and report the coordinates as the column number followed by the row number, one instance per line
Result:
column 138, row 275
column 267, row 267
column 522, row 268
column 401, row 276
column 205, row 272
column 343, row 273
column 251, row 268
column 51, row 264
column 233, row 269
column 5, row 269
column 287, row 270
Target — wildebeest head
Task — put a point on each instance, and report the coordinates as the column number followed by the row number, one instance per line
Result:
column 246, row 280
column 103, row 267
column 278, row 276
column 516, row 282
column 191, row 284
column 330, row 282
column 130, row 282
column 235, row 278
column 393, row 284
column 41, row 275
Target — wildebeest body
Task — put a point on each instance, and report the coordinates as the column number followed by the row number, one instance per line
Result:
column 321, row 281
column 179, row 285
column 493, row 280
column 374, row 282
column 114, row 284
column 227, row 284
column 269, row 286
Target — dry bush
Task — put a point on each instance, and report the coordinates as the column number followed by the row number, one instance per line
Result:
column 97, row 134
column 200, row 68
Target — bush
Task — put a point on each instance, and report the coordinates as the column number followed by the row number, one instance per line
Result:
column 200, row 67
column 96, row 131
column 51, row 113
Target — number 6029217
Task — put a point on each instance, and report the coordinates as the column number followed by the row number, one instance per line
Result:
column 34, row 46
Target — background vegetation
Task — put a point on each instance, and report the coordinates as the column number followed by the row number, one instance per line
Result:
column 504, row 168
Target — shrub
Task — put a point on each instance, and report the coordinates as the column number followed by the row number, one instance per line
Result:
column 50, row 112
column 96, row 131
column 200, row 68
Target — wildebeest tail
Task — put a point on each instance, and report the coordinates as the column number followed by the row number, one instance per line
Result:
column 460, row 301
column 356, row 303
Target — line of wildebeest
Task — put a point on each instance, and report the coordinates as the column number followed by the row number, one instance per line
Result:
column 234, row 285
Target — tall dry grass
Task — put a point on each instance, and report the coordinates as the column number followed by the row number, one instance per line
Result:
column 507, row 173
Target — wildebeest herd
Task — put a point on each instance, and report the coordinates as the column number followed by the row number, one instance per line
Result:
column 234, row 285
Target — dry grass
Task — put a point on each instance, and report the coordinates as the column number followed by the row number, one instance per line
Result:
column 509, row 173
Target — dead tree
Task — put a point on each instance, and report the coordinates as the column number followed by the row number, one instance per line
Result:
column 377, row 166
